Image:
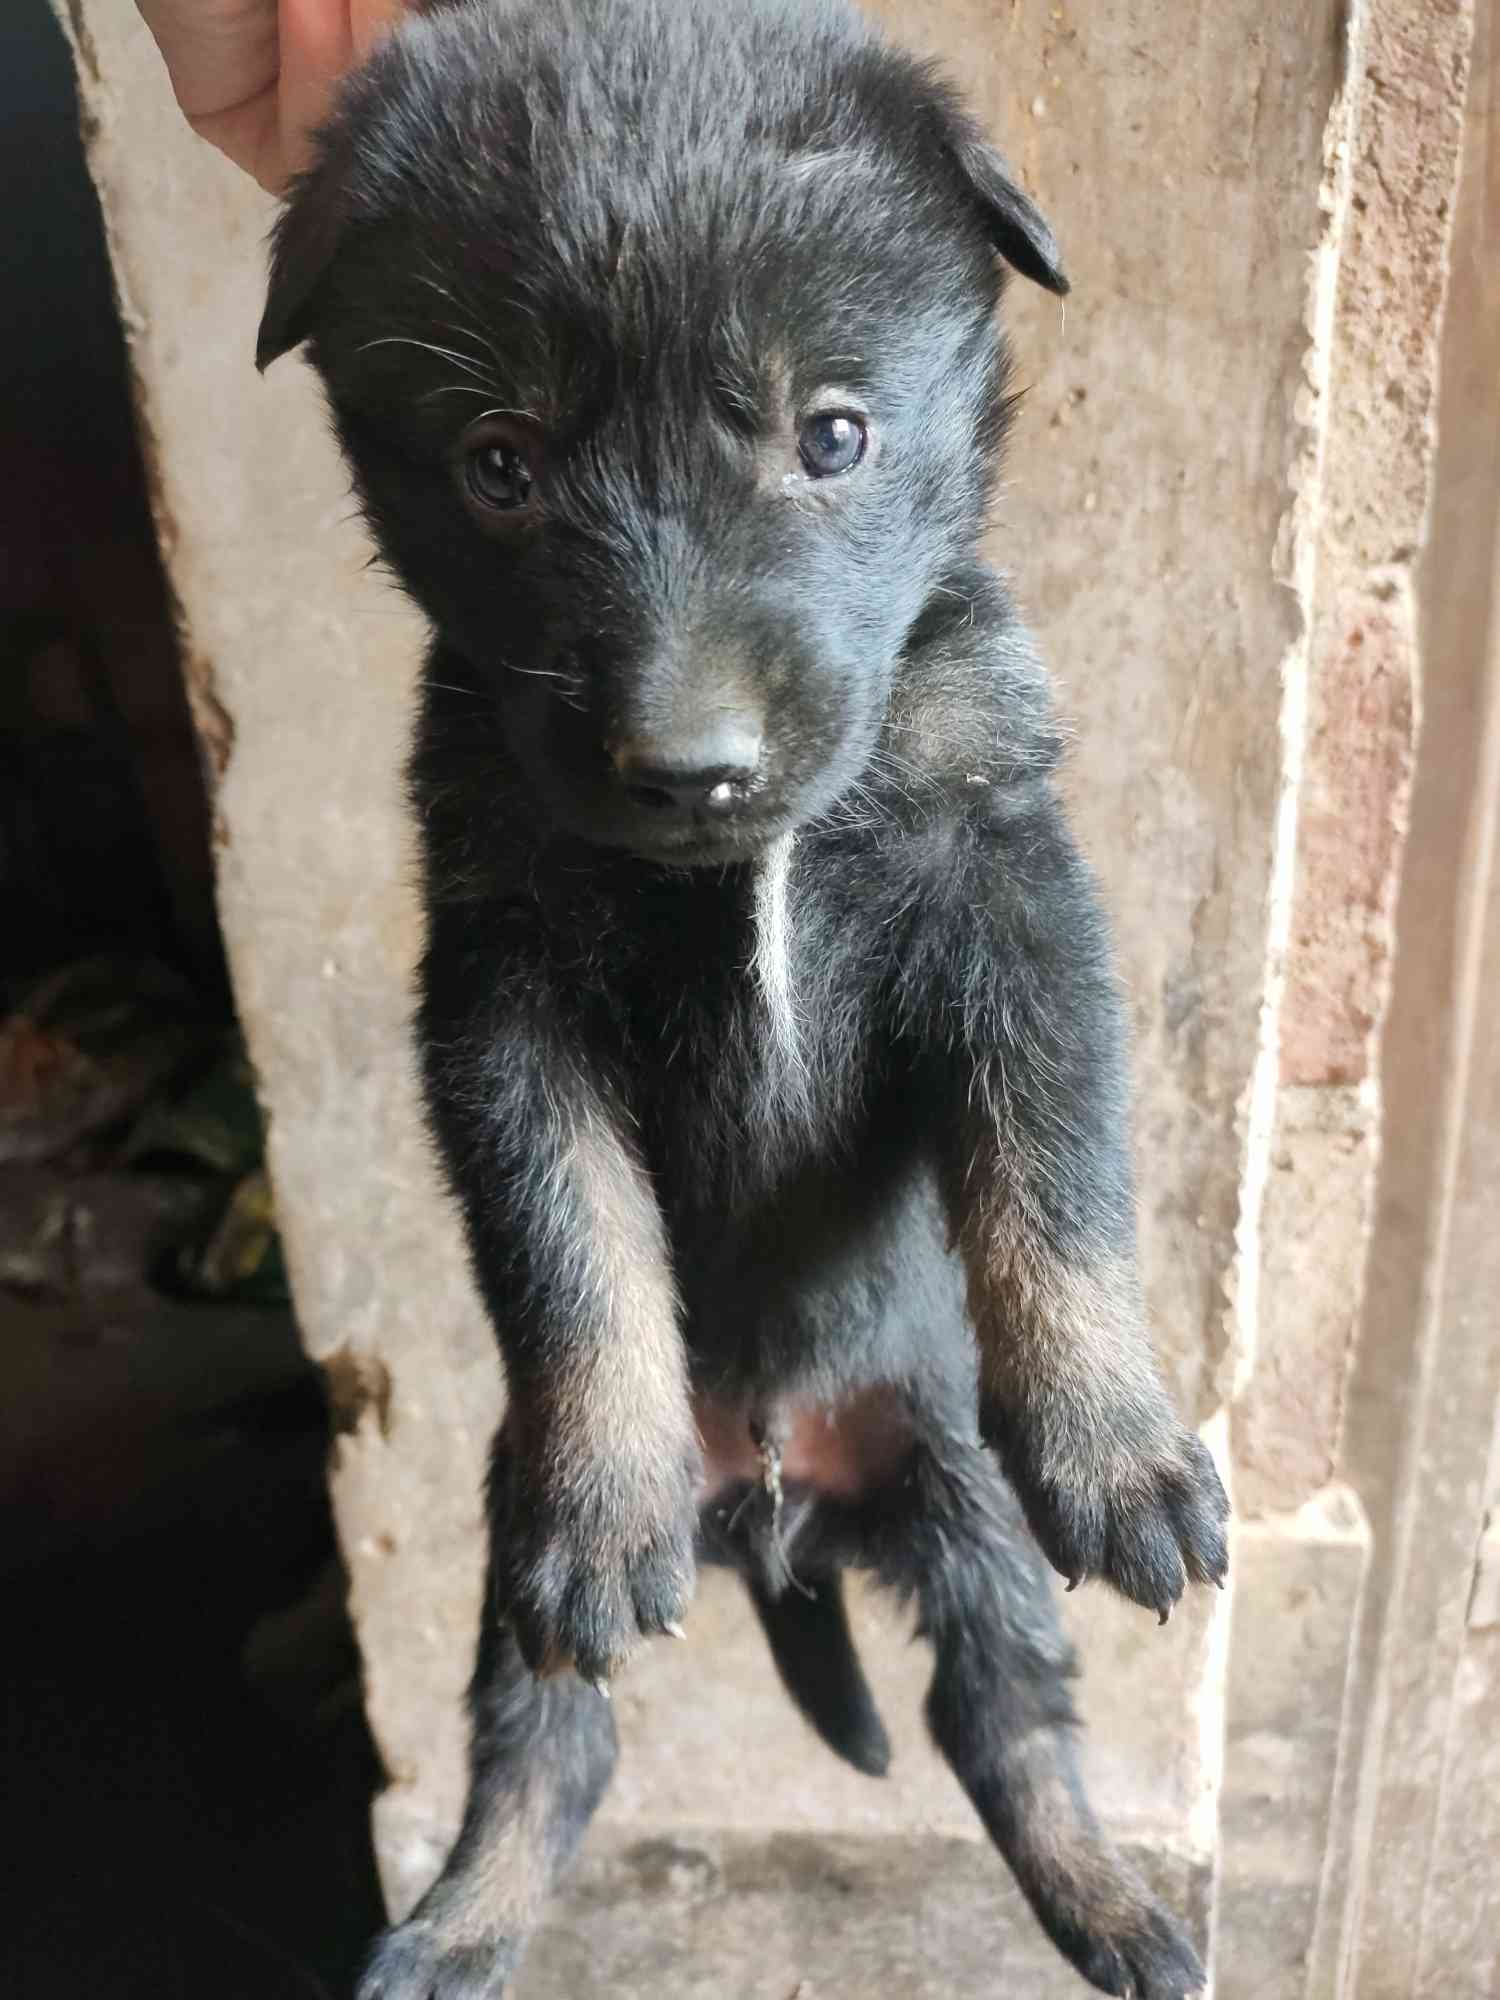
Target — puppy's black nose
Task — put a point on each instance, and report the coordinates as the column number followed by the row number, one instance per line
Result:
column 712, row 770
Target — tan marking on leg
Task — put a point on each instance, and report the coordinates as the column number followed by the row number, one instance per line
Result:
column 505, row 1872
column 1041, row 1318
column 616, row 1406
column 1049, row 1329
column 1059, row 1844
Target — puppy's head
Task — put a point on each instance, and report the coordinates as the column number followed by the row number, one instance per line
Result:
column 660, row 338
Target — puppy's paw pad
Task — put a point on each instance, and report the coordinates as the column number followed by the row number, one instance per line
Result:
column 1151, row 1961
column 1199, row 1509
column 1166, row 1527
column 413, row 1963
column 1149, row 1521
column 573, row 1603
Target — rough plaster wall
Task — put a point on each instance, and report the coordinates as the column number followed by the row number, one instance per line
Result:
column 1459, row 1849
column 1292, row 1834
column 1422, row 1913
column 1357, row 531
column 1167, row 416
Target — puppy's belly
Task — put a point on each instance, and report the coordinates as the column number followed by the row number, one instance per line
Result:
column 839, row 1451
column 836, row 1286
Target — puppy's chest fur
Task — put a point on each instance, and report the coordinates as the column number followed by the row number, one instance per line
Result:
column 749, row 1025
column 747, row 1015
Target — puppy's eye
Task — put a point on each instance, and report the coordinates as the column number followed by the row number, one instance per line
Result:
column 498, row 476
column 496, row 466
column 830, row 443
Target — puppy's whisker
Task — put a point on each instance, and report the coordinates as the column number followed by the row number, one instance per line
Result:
column 884, row 758
column 467, row 362
column 455, row 389
column 464, row 332
column 541, row 673
column 474, row 333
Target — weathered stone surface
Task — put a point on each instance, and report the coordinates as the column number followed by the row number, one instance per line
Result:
column 703, row 1913
column 1425, row 1905
column 1298, row 1581
column 1357, row 526
column 1430, row 1909
column 1356, row 529
column 1409, row 1879
column 1461, row 1905
column 1350, row 823
column 1314, row 1222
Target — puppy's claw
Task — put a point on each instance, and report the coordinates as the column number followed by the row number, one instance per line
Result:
column 1073, row 1582
column 601, row 1687
column 1164, row 1614
column 673, row 1630
column 1151, row 1522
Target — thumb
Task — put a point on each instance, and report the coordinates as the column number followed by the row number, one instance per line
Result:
column 320, row 40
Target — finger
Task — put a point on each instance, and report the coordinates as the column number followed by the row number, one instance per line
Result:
column 221, row 60
column 317, row 46
column 371, row 19
column 320, row 41
column 220, row 54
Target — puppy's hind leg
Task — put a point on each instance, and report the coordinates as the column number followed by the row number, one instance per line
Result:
column 1000, row 1712
column 542, row 1753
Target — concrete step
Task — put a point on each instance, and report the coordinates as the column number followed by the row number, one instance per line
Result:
column 711, row 1915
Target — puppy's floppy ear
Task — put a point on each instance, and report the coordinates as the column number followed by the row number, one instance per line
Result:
column 303, row 246
column 1018, row 229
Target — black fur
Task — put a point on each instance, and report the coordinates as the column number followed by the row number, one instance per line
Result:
column 768, row 1020
column 807, row 1629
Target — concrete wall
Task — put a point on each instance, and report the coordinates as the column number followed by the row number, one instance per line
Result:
column 1218, row 515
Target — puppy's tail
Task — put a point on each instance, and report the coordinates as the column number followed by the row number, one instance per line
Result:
column 808, row 1629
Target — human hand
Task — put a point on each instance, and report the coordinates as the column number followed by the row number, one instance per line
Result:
column 254, row 77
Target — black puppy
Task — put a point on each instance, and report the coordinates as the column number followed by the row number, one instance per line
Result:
column 768, row 1020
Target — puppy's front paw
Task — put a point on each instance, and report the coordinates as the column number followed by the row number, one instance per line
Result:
column 1146, row 1957
column 596, row 1565
column 413, row 1962
column 1147, row 1516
